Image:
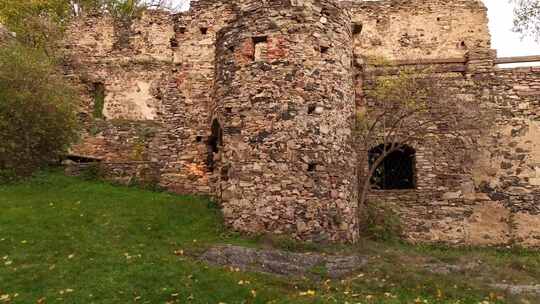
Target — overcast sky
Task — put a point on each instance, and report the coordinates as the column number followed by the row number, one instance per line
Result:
column 504, row 40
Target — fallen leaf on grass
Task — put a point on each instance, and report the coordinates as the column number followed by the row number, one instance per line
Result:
column 308, row 293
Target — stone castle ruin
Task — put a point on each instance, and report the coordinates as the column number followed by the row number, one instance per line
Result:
column 254, row 102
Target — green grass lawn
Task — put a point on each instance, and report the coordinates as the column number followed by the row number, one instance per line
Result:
column 65, row 240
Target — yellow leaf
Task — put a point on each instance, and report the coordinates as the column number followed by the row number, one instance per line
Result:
column 308, row 293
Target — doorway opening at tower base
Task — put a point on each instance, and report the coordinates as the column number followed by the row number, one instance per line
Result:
column 215, row 142
column 396, row 171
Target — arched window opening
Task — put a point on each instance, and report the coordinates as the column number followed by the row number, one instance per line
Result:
column 214, row 144
column 397, row 169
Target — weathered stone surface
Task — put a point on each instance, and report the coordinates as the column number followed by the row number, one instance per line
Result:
column 518, row 289
column 263, row 71
column 4, row 33
column 443, row 268
column 422, row 29
column 281, row 82
column 488, row 225
column 284, row 263
column 526, row 229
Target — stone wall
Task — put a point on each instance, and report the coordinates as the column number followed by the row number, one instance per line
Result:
column 492, row 197
column 5, row 35
column 434, row 211
column 130, row 173
column 508, row 171
column 147, row 112
column 118, row 83
column 187, row 97
column 284, row 113
column 254, row 103
column 419, row 29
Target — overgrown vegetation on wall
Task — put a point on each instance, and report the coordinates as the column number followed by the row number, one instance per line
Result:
column 40, row 23
column 37, row 105
column 405, row 108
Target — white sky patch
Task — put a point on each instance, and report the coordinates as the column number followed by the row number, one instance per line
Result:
column 506, row 42
column 503, row 39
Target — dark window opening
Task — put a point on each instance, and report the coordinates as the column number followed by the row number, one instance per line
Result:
column 82, row 159
column 259, row 47
column 204, row 30
column 324, row 49
column 312, row 167
column 198, row 138
column 181, row 29
column 311, row 109
column 396, row 171
column 463, row 45
column 214, row 143
column 228, row 110
column 98, row 94
column 260, row 39
column 438, row 18
column 225, row 173
column 174, row 42
column 357, row 28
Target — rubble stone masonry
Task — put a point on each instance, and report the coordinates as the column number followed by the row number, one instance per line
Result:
column 284, row 99
column 253, row 102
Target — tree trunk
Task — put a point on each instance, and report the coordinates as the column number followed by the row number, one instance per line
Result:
column 367, row 181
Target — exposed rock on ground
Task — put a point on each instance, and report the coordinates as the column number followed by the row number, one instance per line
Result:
column 284, row 263
column 518, row 289
column 4, row 34
column 443, row 268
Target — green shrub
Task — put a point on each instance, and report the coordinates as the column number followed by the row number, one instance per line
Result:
column 91, row 172
column 37, row 110
column 38, row 24
column 7, row 176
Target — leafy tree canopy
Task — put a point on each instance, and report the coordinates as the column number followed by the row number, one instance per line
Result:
column 37, row 105
column 527, row 18
column 39, row 23
column 37, row 115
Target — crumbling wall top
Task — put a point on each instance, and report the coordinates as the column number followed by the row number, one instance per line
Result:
column 420, row 29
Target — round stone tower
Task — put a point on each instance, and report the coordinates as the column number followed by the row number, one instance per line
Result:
column 283, row 114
